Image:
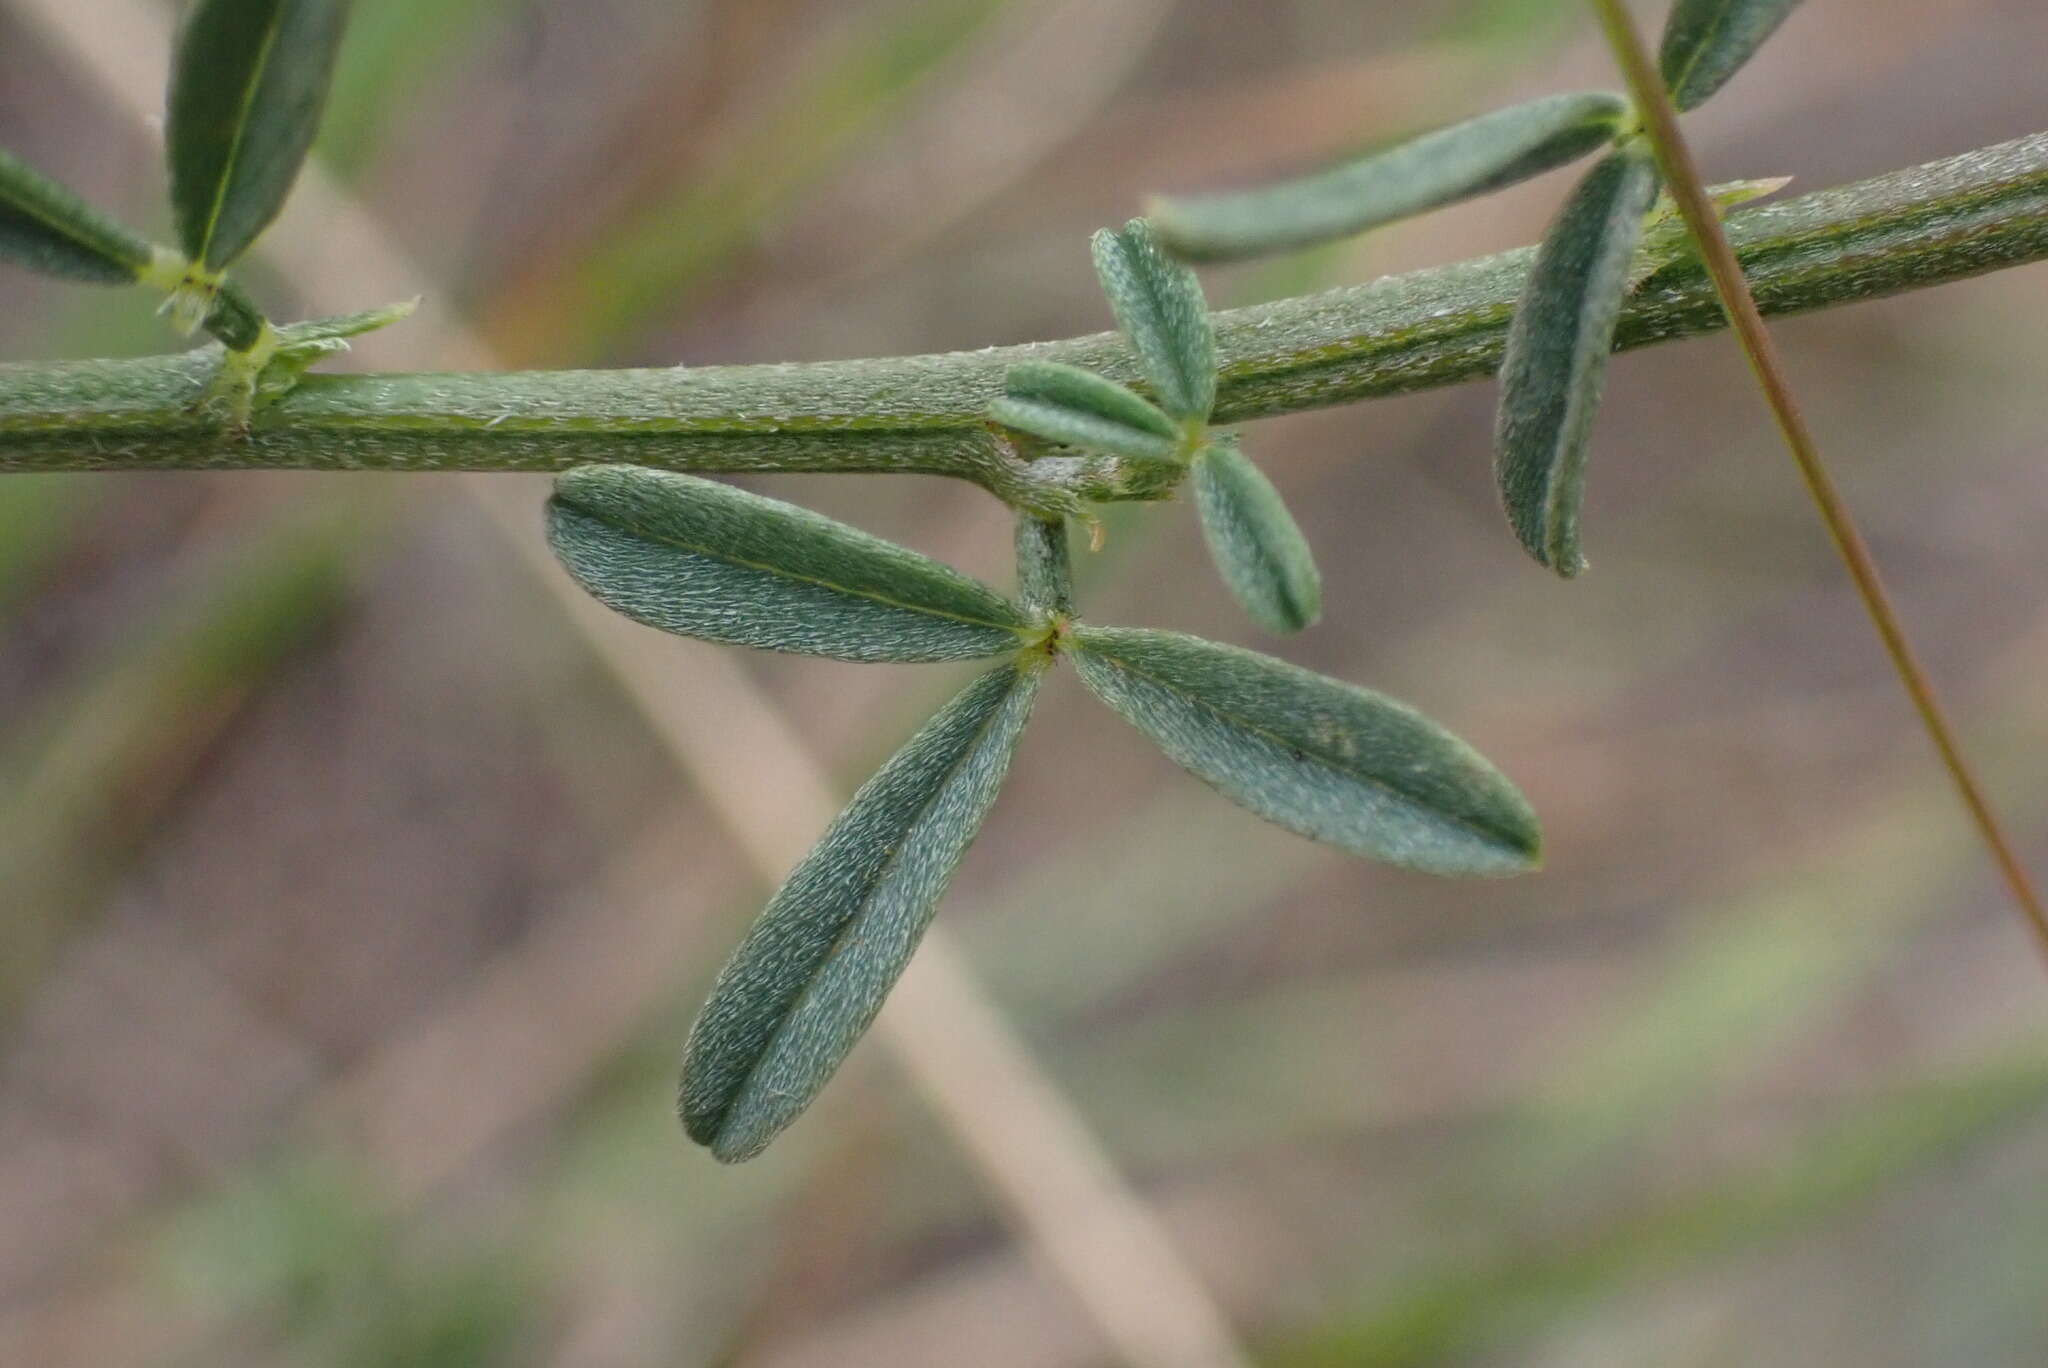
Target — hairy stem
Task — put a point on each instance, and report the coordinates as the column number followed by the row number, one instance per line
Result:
column 1944, row 221
column 1725, row 269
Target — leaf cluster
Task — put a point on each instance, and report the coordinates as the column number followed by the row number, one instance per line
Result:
column 1160, row 310
column 1321, row 758
column 1563, row 329
column 1324, row 759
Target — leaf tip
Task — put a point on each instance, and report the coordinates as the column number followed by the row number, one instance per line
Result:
column 1560, row 553
column 730, row 1148
column 695, row 1125
column 717, row 1133
column 1512, row 843
column 1295, row 605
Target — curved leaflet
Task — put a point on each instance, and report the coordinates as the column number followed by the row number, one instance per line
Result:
column 1557, row 349
column 1253, row 539
column 1424, row 173
column 248, row 82
column 1322, row 758
column 1159, row 305
column 1708, row 41
column 46, row 228
column 703, row 559
column 816, row 965
column 1078, row 408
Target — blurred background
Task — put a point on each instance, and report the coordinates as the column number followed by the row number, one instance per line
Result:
column 350, row 921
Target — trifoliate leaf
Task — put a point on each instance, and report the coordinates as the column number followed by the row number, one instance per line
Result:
column 1078, row 408
column 1159, row 305
column 1435, row 169
column 248, row 81
column 1708, row 41
column 1557, row 349
column 1257, row 548
column 706, row 560
column 1319, row 757
column 46, row 228
column 816, row 965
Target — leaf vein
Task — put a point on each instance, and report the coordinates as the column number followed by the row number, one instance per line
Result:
column 227, row 173
column 785, row 573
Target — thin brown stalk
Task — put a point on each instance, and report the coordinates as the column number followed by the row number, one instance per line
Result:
column 1687, row 188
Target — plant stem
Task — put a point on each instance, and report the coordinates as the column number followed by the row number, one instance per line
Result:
column 1925, row 225
column 1674, row 156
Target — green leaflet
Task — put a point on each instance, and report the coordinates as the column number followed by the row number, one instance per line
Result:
column 1159, row 305
column 45, row 227
column 1257, row 548
column 1557, row 349
column 1435, row 169
column 1319, row 757
column 706, row 560
column 816, row 965
column 1707, row 41
column 248, row 82
column 1078, row 408
column 1064, row 426
column 1055, row 382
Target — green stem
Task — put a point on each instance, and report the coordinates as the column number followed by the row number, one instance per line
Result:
column 1733, row 288
column 1945, row 221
